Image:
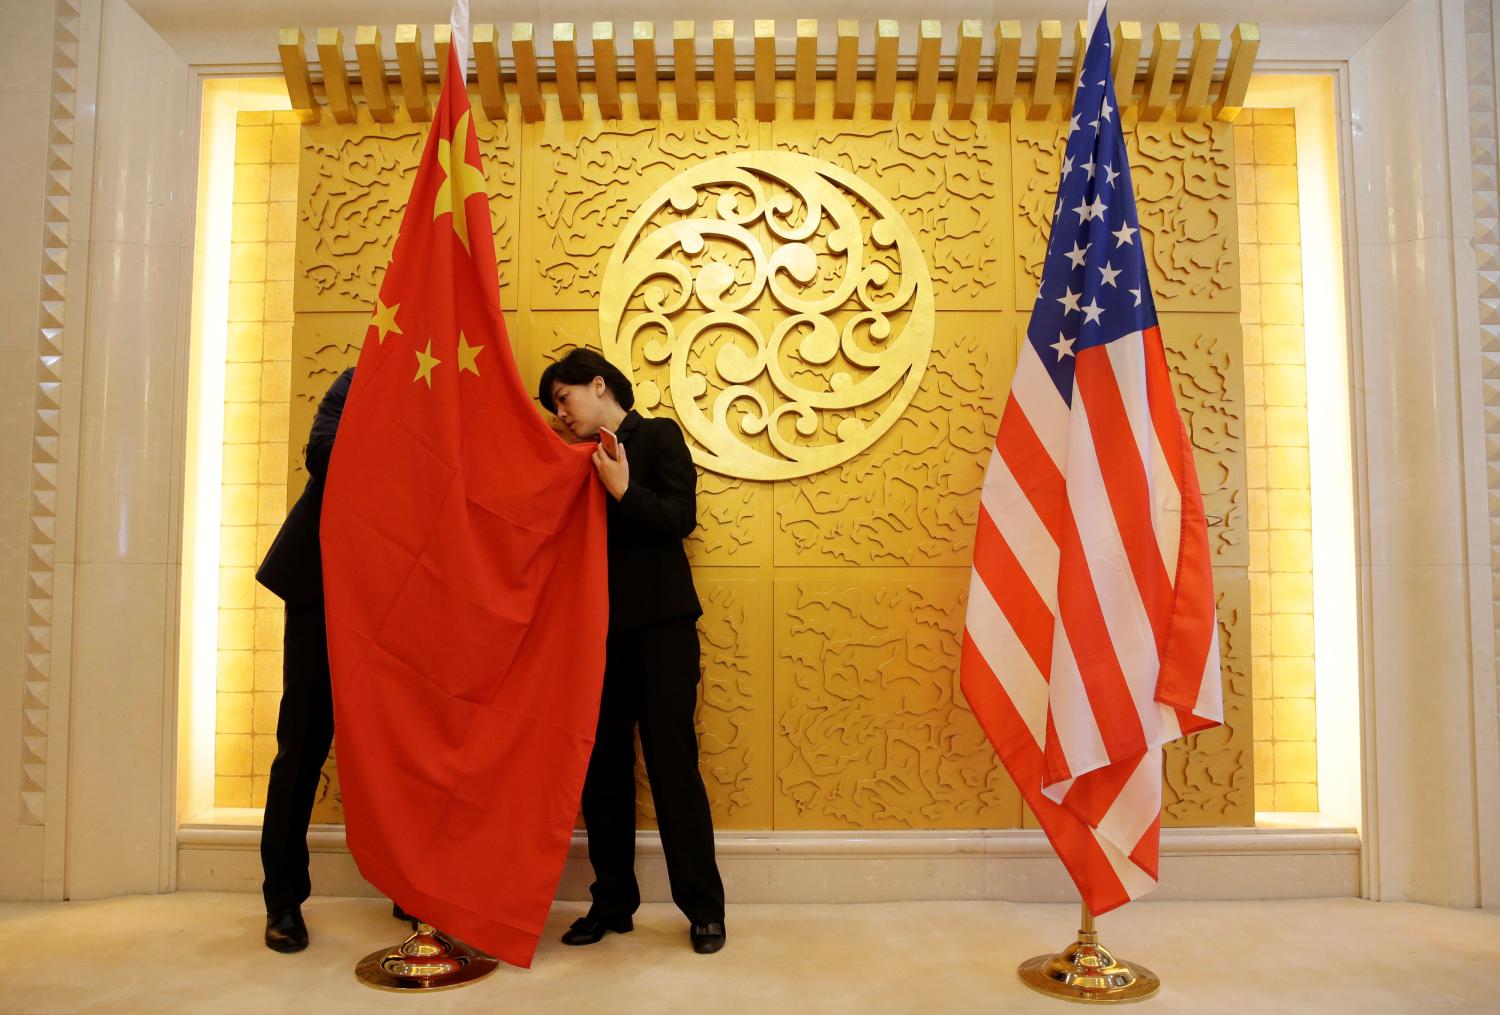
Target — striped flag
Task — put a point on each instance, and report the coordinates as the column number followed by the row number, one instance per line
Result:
column 1091, row 638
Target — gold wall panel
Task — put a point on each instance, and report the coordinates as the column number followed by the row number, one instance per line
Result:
column 835, row 602
column 1204, row 357
column 735, row 707
column 913, row 498
column 354, row 182
column 587, row 177
column 950, row 180
column 1207, row 778
column 1184, row 176
column 871, row 730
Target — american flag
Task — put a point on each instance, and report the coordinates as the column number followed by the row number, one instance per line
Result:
column 1091, row 638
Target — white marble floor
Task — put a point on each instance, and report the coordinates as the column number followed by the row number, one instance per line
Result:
column 201, row 952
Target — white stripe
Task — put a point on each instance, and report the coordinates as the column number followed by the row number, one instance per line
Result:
column 1072, row 717
column 1032, row 389
column 1135, row 881
column 1013, row 666
column 1125, row 618
column 1011, row 511
column 1128, row 358
column 1137, row 804
column 1210, row 703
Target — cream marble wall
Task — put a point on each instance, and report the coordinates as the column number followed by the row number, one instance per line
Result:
column 1422, row 799
column 25, row 87
column 127, row 463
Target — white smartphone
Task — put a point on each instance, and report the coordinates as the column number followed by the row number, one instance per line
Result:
column 609, row 442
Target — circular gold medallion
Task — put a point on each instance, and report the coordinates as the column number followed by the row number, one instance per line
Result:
column 777, row 305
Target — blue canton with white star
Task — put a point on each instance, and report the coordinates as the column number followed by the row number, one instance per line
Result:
column 1094, row 287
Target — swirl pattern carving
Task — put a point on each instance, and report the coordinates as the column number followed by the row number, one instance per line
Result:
column 770, row 231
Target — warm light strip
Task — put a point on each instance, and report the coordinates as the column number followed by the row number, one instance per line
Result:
column 1330, row 455
column 223, row 100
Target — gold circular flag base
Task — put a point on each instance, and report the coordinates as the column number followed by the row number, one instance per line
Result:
column 1086, row 972
column 424, row 962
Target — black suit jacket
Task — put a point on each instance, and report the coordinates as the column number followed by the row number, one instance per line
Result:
column 293, row 568
column 649, row 577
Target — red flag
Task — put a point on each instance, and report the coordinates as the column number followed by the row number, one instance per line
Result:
column 464, row 570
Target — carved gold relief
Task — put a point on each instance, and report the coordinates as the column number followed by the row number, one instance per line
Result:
column 1183, row 175
column 914, row 498
column 1203, row 354
column 352, row 190
column 949, row 178
column 852, row 302
column 734, row 708
column 871, row 730
column 1208, row 777
column 829, row 695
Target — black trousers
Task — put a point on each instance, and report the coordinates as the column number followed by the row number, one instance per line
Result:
column 304, row 732
column 651, row 679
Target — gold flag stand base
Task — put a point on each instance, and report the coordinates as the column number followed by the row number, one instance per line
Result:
column 426, row 961
column 1086, row 971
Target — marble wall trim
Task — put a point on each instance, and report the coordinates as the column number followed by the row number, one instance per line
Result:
column 1480, row 45
column 46, row 425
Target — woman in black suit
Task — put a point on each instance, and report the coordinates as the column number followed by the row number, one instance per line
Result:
column 651, row 659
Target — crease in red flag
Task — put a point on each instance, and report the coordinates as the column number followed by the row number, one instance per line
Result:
column 464, row 573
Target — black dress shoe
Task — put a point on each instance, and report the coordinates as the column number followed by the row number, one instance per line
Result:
column 401, row 914
column 589, row 930
column 707, row 937
column 285, row 931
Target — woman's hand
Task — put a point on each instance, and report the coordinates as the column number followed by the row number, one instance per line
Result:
column 614, row 473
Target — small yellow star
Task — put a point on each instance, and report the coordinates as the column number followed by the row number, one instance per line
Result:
column 460, row 179
column 467, row 355
column 425, row 362
column 384, row 320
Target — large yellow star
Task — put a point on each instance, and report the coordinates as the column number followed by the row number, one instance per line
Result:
column 425, row 362
column 384, row 320
column 467, row 355
column 460, row 179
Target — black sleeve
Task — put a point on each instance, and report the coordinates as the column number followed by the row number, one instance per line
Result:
column 326, row 424
column 665, row 502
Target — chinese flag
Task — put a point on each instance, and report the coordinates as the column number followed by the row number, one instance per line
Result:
column 464, row 570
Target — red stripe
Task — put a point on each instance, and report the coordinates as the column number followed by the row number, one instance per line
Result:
column 1103, row 680
column 1093, row 793
column 1125, row 481
column 1013, row 591
column 1035, row 471
column 1071, row 838
column 1191, row 628
column 1146, row 854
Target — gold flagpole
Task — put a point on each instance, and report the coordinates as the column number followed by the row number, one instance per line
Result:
column 1086, row 971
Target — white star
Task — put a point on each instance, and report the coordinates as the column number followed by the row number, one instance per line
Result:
column 1097, row 209
column 1069, row 300
column 1092, row 311
column 1124, row 235
column 1111, row 176
column 1067, row 165
column 1085, row 212
column 1089, row 165
column 1094, row 123
column 1137, row 294
column 1078, row 254
column 1106, row 111
column 1063, row 345
column 1072, row 125
column 1109, row 273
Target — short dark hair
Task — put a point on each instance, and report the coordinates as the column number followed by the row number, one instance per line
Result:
column 580, row 366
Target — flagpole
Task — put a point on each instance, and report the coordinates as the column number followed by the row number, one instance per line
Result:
column 1088, row 972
